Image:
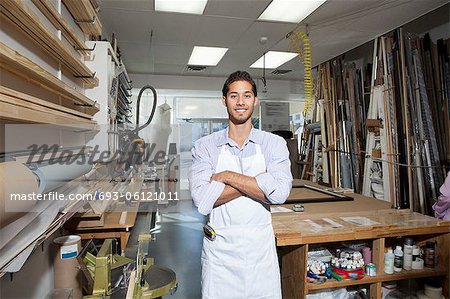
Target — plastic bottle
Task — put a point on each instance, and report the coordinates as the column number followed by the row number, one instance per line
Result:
column 389, row 262
column 408, row 254
column 398, row 259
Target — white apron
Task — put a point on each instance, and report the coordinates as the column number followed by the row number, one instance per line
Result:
column 242, row 261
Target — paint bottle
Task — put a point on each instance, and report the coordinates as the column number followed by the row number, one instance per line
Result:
column 389, row 262
column 398, row 259
column 429, row 255
column 408, row 253
column 367, row 255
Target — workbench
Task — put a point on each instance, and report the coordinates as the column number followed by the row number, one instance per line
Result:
column 115, row 224
column 294, row 236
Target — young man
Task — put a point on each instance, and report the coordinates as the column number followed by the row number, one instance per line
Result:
column 236, row 173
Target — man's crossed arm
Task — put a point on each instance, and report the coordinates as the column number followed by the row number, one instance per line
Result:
column 237, row 185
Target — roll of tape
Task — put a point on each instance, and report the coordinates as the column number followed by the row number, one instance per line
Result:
column 417, row 264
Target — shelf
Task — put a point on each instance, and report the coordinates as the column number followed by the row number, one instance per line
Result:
column 379, row 278
column 85, row 16
column 49, row 10
column 66, row 213
column 21, row 16
column 19, row 107
column 294, row 236
column 14, row 62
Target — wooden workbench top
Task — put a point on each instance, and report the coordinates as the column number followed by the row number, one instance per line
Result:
column 362, row 218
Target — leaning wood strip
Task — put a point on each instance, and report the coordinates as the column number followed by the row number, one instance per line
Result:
column 57, row 20
column 85, row 16
column 33, row 100
column 20, row 65
column 20, row 15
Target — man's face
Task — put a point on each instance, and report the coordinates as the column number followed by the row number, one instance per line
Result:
column 240, row 102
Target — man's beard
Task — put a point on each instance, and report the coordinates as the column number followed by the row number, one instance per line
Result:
column 240, row 120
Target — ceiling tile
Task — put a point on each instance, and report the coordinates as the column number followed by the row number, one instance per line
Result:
column 273, row 31
column 247, row 9
column 219, row 31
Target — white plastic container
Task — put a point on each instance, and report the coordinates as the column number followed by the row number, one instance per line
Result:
column 398, row 259
column 389, row 262
column 408, row 254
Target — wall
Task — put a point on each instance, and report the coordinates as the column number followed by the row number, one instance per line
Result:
column 35, row 279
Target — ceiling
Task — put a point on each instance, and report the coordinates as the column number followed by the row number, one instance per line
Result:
column 160, row 43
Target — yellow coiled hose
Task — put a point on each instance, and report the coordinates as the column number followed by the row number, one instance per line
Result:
column 297, row 40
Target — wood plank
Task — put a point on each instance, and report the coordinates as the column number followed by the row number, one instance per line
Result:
column 49, row 10
column 33, row 100
column 18, row 64
column 123, row 218
column 293, row 271
column 23, row 114
column 80, row 220
column 291, row 229
column 378, row 254
column 376, row 290
column 21, row 16
column 379, row 278
column 40, row 109
column 85, row 16
column 443, row 253
column 131, row 285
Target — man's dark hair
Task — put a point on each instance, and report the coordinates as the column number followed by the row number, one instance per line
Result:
column 238, row 76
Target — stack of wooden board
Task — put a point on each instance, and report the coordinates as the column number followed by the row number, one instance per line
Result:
column 404, row 126
column 21, row 66
column 340, row 135
column 50, row 11
column 20, row 15
column 20, row 107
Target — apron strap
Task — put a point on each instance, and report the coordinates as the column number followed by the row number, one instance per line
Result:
column 258, row 149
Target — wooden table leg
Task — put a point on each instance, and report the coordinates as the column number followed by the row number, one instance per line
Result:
column 124, row 236
column 293, row 271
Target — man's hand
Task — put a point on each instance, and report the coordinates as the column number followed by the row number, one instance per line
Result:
column 222, row 176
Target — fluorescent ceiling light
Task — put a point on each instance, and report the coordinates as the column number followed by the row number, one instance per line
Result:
column 183, row 6
column 208, row 56
column 273, row 59
column 292, row 11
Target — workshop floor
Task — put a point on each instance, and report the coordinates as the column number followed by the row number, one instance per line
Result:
column 177, row 246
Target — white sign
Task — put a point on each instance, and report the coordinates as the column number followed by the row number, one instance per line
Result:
column 274, row 116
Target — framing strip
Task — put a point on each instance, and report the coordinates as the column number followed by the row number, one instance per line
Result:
column 20, row 15
column 10, row 93
column 84, row 15
column 27, row 69
column 58, row 21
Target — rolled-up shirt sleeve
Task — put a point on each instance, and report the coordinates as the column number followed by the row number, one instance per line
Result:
column 204, row 193
column 276, row 182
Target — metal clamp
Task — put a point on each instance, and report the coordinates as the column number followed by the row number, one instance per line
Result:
column 85, row 105
column 86, row 21
column 87, row 77
column 85, row 49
